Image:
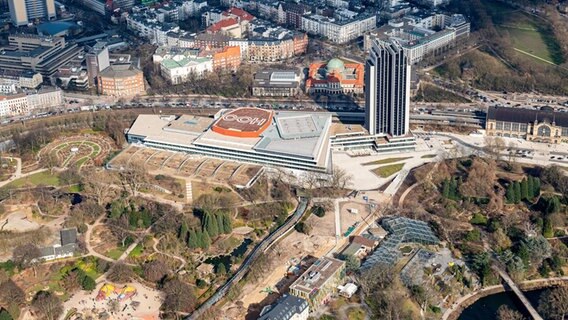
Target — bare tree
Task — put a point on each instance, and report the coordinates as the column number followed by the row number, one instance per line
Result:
column 340, row 179
column 553, row 304
column 11, row 293
column 494, row 146
column 46, row 306
column 179, row 297
column 96, row 183
column 120, row 273
column 133, row 176
column 25, row 255
column 155, row 270
column 506, row 313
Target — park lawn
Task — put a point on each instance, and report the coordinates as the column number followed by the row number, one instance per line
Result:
column 40, row 178
column 76, row 188
column 385, row 161
column 356, row 313
column 137, row 251
column 115, row 253
column 432, row 93
column 527, row 33
column 388, row 170
column 89, row 267
column 428, row 156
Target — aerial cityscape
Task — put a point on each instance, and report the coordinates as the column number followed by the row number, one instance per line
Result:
column 284, row 159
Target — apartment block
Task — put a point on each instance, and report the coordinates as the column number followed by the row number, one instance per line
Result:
column 121, row 80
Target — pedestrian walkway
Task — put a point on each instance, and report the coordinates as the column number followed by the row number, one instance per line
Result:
column 188, row 192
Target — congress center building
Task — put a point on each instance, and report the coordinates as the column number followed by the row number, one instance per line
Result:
column 292, row 140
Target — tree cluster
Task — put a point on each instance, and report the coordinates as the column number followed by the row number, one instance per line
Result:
column 450, row 188
column 179, row 297
column 130, row 215
column 213, row 224
column 526, row 189
column 12, row 298
column 381, row 289
column 46, row 306
column 77, row 278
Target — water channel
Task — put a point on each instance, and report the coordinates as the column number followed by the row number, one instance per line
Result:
column 486, row 308
column 226, row 259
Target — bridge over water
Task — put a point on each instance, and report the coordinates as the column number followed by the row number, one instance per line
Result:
column 532, row 311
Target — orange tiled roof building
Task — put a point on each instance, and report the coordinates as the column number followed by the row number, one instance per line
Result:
column 335, row 77
column 227, row 59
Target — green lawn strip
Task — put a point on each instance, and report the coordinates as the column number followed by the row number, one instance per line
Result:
column 40, row 178
column 428, row 156
column 388, row 170
column 81, row 161
column 385, row 161
column 137, row 251
column 76, row 188
column 69, row 158
column 115, row 253
column 96, row 147
column 61, row 146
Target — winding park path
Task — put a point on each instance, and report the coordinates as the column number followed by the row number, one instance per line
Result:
column 18, row 174
column 180, row 259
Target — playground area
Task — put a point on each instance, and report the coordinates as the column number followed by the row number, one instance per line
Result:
column 117, row 302
column 77, row 151
column 187, row 165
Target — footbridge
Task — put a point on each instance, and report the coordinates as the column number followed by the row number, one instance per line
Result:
column 532, row 311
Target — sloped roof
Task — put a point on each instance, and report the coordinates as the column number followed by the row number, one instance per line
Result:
column 522, row 115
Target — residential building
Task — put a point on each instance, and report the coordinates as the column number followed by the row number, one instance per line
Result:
column 193, row 8
column 12, row 105
column 121, row 80
column 270, row 50
column 24, row 103
column 542, row 125
column 335, row 77
column 180, row 69
column 276, row 83
column 123, row 5
column 21, row 79
column 387, row 90
column 152, row 26
column 45, row 55
column 434, row 3
column 7, row 88
column 179, row 65
column 286, row 307
column 24, row 11
column 300, row 43
column 294, row 13
column 99, row 6
column 417, row 37
column 45, row 98
column 230, row 27
column 319, row 282
column 97, row 60
column 339, row 30
column 229, row 58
